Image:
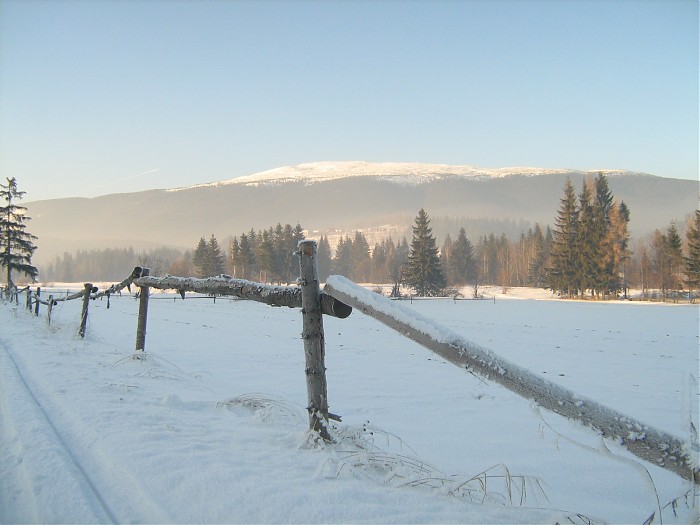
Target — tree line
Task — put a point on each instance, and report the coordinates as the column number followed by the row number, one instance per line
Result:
column 108, row 264
column 588, row 252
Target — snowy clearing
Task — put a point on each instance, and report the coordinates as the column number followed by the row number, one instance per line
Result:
column 211, row 425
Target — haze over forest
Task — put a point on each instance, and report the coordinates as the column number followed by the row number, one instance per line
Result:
column 332, row 198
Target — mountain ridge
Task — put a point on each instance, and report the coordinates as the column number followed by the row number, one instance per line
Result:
column 398, row 172
column 179, row 218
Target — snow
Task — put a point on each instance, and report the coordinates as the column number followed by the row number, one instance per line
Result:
column 397, row 172
column 209, row 425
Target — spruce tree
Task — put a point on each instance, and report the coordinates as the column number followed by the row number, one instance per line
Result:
column 462, row 261
column 342, row 262
column 324, row 259
column 423, row 271
column 247, row 261
column 361, row 262
column 235, row 258
column 564, row 269
column 692, row 261
column 674, row 248
column 265, row 255
column 16, row 243
column 199, row 258
column 536, row 272
column 588, row 242
column 214, row 258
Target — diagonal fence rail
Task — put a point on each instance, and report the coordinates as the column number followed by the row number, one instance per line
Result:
column 340, row 296
column 644, row 441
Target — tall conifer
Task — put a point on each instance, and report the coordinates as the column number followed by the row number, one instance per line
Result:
column 565, row 265
column 16, row 243
column 692, row 261
column 423, row 271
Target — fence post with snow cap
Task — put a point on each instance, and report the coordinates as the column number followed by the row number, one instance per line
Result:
column 313, row 337
column 84, row 312
column 143, row 313
column 642, row 440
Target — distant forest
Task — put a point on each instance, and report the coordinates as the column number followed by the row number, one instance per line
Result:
column 660, row 265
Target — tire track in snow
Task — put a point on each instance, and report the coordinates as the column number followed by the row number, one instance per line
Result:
column 35, row 439
column 129, row 503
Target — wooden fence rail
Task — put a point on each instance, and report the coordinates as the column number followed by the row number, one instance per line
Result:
column 338, row 299
column 644, row 441
column 307, row 296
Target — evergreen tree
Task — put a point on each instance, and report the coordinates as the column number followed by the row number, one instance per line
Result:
column 536, row 271
column 692, row 261
column 674, row 248
column 588, row 243
column 379, row 272
column 208, row 259
column 667, row 260
column 16, row 243
column 265, row 256
column 605, row 267
column 246, row 261
column 235, row 258
column 323, row 259
column 342, row 262
column 423, row 271
column 462, row 261
column 564, row 269
column 360, row 260
column 214, row 258
column 297, row 235
column 199, row 258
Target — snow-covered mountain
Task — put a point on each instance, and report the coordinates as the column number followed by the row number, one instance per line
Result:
column 338, row 197
column 397, row 172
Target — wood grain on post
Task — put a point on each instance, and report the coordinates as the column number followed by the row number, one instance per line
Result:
column 314, row 345
column 143, row 314
column 84, row 312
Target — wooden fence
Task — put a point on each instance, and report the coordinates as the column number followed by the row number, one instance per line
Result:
column 338, row 299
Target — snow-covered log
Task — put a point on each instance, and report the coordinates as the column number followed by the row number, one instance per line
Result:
column 116, row 288
column 289, row 296
column 645, row 441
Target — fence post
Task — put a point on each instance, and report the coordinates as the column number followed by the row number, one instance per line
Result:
column 50, row 309
column 36, row 306
column 143, row 314
column 84, row 313
column 312, row 334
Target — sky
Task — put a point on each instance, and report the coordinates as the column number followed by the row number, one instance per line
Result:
column 106, row 96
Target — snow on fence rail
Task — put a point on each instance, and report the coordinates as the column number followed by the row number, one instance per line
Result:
column 644, row 441
column 338, row 299
column 307, row 296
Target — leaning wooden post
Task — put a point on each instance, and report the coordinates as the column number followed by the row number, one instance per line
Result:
column 143, row 314
column 314, row 345
column 50, row 309
column 84, row 313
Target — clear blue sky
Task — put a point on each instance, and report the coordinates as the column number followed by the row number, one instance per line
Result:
column 104, row 96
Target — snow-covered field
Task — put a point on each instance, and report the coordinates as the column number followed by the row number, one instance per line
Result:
column 210, row 427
